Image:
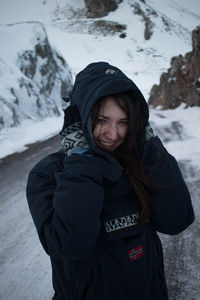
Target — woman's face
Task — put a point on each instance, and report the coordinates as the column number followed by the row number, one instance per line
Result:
column 111, row 125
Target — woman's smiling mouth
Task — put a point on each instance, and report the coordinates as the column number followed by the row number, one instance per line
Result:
column 105, row 143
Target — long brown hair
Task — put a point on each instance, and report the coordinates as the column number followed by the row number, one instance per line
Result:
column 129, row 153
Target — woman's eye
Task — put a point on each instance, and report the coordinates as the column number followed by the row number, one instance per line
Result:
column 124, row 122
column 101, row 121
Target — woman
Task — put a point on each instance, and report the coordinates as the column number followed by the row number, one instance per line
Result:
column 99, row 201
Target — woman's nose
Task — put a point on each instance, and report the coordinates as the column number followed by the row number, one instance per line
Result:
column 111, row 132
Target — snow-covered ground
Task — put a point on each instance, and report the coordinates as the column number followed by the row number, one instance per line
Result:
column 17, row 139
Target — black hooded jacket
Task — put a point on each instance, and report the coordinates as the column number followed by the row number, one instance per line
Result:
column 84, row 210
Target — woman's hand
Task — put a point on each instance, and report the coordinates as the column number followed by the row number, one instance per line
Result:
column 72, row 138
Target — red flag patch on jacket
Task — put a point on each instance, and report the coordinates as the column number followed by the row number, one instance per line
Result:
column 136, row 253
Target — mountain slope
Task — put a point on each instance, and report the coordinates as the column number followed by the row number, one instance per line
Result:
column 32, row 74
column 81, row 41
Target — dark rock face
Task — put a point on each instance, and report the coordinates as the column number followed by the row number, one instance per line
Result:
column 98, row 9
column 181, row 84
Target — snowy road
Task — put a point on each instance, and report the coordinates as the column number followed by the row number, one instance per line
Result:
column 24, row 267
column 181, row 252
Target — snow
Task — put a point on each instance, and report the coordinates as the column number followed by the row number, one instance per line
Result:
column 28, row 89
column 9, row 37
column 142, row 60
column 17, row 139
column 177, row 12
column 183, row 143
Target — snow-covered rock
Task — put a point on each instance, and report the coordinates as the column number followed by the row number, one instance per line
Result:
column 33, row 76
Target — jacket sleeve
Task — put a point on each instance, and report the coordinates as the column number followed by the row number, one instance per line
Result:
column 172, row 210
column 66, row 205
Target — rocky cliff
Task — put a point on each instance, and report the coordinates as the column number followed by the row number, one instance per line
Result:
column 98, row 9
column 33, row 75
column 181, row 83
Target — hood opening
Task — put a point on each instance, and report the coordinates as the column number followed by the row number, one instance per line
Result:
column 94, row 82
